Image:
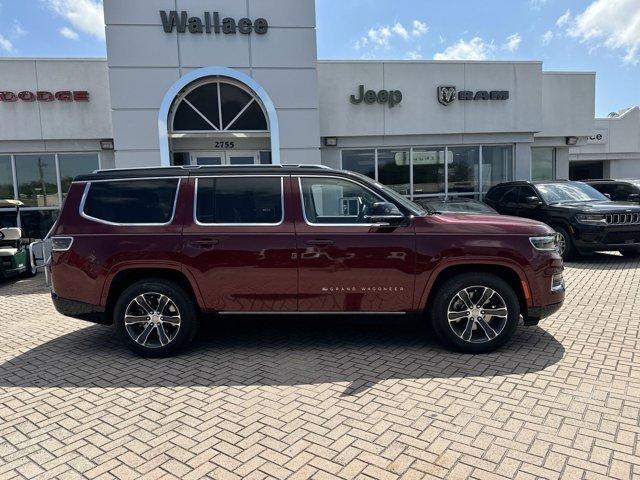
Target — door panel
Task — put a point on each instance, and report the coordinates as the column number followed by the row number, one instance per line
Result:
column 349, row 267
column 248, row 267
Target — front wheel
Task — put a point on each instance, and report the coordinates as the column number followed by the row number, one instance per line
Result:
column 475, row 312
column 565, row 244
column 155, row 318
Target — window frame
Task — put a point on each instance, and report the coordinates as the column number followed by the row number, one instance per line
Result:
column 87, row 187
column 304, row 210
column 207, row 224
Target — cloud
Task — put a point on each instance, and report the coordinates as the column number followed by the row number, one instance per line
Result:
column 399, row 30
column 414, row 54
column 513, row 42
column 563, row 19
column 381, row 37
column 5, row 44
column 67, row 33
column 613, row 24
column 84, row 15
column 475, row 49
column 419, row 28
column 537, row 4
column 17, row 31
column 547, row 37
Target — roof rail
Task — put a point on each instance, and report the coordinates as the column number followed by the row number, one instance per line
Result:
column 195, row 167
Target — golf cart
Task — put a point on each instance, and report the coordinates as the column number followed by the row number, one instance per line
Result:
column 15, row 252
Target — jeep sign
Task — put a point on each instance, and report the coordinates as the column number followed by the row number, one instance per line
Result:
column 182, row 22
column 392, row 97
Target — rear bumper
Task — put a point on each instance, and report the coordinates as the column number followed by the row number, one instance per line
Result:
column 79, row 310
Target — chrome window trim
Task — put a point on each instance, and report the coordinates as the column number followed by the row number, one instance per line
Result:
column 99, row 180
column 206, row 224
column 116, row 224
column 304, row 211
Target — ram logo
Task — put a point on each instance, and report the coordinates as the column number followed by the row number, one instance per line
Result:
column 446, row 94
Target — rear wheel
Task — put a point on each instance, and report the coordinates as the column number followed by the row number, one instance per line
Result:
column 155, row 318
column 475, row 312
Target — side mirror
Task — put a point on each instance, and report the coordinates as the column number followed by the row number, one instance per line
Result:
column 384, row 212
column 608, row 195
column 532, row 201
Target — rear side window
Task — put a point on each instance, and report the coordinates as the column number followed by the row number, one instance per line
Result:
column 239, row 200
column 495, row 193
column 132, row 201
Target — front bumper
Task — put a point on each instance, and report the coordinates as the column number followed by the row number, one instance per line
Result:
column 589, row 238
column 80, row 310
column 535, row 314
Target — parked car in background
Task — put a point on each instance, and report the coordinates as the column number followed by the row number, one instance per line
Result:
column 585, row 219
column 618, row 190
column 455, row 205
column 152, row 250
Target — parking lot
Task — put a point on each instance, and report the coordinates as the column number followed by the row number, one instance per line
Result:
column 316, row 398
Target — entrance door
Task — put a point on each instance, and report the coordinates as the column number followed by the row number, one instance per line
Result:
column 347, row 264
column 208, row 158
column 228, row 157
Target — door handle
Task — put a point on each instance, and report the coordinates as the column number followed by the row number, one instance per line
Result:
column 204, row 243
column 320, row 242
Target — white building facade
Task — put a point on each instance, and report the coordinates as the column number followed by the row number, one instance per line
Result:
column 612, row 150
column 238, row 82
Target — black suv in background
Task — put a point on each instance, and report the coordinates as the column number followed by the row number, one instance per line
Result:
column 585, row 219
column 618, row 190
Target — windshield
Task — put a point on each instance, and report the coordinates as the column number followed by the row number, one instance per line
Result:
column 401, row 199
column 569, row 192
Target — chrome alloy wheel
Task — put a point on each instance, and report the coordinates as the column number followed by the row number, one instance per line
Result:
column 152, row 320
column 477, row 314
column 562, row 243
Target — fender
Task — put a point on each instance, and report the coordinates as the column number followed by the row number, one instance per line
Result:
column 175, row 266
column 489, row 261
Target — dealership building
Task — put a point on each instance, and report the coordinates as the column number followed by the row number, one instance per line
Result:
column 220, row 82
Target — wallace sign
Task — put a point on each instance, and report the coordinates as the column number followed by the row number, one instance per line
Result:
column 211, row 23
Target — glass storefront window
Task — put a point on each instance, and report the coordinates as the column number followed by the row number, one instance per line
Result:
column 360, row 161
column 37, row 180
column 37, row 223
column 543, row 163
column 463, row 169
column 394, row 169
column 428, row 171
column 497, row 165
column 72, row 165
column 6, row 178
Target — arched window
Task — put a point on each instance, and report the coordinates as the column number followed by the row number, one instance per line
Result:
column 218, row 106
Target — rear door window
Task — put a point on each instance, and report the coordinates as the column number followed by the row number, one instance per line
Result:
column 239, row 200
column 131, row 202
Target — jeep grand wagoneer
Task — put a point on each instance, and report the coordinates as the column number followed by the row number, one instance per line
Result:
column 153, row 250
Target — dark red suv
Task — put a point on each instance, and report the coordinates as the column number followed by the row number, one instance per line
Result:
column 155, row 250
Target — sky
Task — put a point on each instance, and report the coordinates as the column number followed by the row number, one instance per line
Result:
column 601, row 36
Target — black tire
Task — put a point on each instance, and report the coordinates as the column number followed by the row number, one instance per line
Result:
column 447, row 295
column 569, row 250
column 31, row 270
column 630, row 252
column 176, row 337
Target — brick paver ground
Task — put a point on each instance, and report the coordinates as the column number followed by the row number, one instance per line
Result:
column 309, row 399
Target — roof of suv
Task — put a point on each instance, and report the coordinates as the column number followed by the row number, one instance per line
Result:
column 185, row 171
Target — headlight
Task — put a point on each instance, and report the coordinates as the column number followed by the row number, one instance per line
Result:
column 589, row 219
column 547, row 243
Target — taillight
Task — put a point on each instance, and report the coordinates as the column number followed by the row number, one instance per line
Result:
column 61, row 244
